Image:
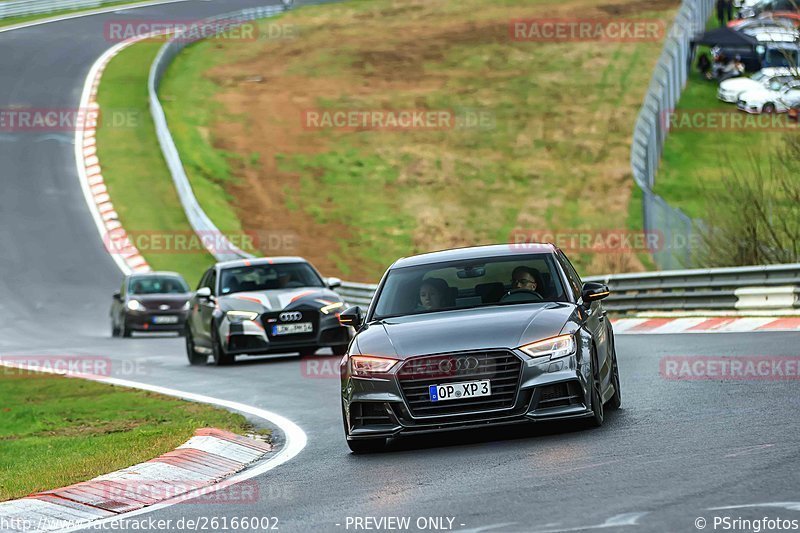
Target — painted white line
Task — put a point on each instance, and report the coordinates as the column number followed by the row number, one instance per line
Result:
column 624, row 324
column 744, row 324
column 789, row 506
column 91, row 13
column 625, row 519
column 296, row 439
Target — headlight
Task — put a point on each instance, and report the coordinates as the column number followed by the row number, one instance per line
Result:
column 135, row 305
column 239, row 316
column 552, row 348
column 366, row 365
column 331, row 307
column 187, row 306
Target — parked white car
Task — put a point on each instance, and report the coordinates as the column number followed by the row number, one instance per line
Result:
column 771, row 77
column 766, row 100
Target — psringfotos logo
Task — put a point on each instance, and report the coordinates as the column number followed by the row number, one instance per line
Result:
column 586, row 29
column 704, row 368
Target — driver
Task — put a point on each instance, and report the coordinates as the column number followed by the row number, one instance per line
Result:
column 432, row 293
column 524, row 278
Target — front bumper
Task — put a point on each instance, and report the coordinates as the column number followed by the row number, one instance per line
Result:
column 255, row 337
column 753, row 109
column 149, row 320
column 728, row 96
column 551, row 390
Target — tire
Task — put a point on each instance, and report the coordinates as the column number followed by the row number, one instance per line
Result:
column 220, row 357
column 195, row 358
column 768, row 108
column 308, row 352
column 366, row 445
column 339, row 350
column 615, row 402
column 123, row 330
column 598, row 412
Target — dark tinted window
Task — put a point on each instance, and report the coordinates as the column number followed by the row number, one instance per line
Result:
column 572, row 276
column 158, row 285
column 269, row 277
column 459, row 285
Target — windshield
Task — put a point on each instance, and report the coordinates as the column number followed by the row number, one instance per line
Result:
column 480, row 283
column 158, row 285
column 269, row 277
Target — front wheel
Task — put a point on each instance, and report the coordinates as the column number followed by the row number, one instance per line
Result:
column 221, row 358
column 768, row 108
column 341, row 349
column 308, row 352
column 598, row 413
column 195, row 358
column 615, row 402
column 124, row 330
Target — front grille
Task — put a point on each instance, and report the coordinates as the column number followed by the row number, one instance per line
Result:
column 364, row 414
column 560, row 395
column 502, row 368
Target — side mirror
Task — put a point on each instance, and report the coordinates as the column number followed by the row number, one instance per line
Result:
column 594, row 291
column 334, row 282
column 117, row 296
column 203, row 293
column 351, row 317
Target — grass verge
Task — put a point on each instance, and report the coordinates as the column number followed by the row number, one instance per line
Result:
column 134, row 169
column 553, row 156
column 55, row 431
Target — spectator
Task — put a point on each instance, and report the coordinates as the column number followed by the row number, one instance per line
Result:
column 704, row 65
column 724, row 8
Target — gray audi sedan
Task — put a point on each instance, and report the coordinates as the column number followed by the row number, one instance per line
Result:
column 474, row 337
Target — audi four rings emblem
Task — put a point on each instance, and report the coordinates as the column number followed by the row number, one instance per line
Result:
column 467, row 363
column 292, row 316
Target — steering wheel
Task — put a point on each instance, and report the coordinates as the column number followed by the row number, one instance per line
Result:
column 521, row 295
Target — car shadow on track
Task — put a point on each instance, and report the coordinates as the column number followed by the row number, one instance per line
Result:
column 500, row 435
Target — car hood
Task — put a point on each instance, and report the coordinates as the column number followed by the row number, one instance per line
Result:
column 278, row 299
column 507, row 326
column 757, row 95
column 156, row 301
column 739, row 84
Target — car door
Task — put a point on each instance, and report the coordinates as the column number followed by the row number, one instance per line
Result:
column 596, row 323
column 206, row 308
column 196, row 312
column 789, row 98
column 118, row 304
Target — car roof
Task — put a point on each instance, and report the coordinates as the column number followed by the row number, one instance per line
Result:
column 474, row 252
column 260, row 261
column 156, row 273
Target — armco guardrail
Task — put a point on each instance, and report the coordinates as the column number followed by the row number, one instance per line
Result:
column 222, row 249
column 650, row 132
column 758, row 288
column 24, row 8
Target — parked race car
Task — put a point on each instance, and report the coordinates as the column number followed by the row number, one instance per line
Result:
column 263, row 306
column 771, row 78
column 477, row 337
column 153, row 301
column 767, row 100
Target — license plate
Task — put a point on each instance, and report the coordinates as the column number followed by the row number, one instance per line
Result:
column 165, row 320
column 292, row 329
column 459, row 391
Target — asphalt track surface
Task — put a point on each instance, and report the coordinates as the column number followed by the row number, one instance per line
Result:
column 676, row 449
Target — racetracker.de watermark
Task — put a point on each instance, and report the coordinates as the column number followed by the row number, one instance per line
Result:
column 69, row 365
column 397, row 119
column 61, row 120
column 727, row 120
column 191, row 242
column 704, row 368
column 117, row 31
column 586, row 29
column 609, row 241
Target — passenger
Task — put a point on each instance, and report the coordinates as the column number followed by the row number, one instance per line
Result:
column 432, row 294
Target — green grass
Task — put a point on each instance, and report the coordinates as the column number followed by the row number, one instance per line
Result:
column 554, row 131
column 55, row 431
column 133, row 167
column 695, row 161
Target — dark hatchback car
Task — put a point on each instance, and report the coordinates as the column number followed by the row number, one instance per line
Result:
column 153, row 301
column 263, row 306
column 476, row 337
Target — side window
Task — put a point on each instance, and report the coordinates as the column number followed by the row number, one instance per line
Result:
column 203, row 280
column 212, row 282
column 572, row 276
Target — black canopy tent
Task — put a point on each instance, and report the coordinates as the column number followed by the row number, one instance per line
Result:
column 739, row 43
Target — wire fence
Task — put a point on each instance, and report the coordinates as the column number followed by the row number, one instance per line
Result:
column 651, row 130
column 24, row 8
